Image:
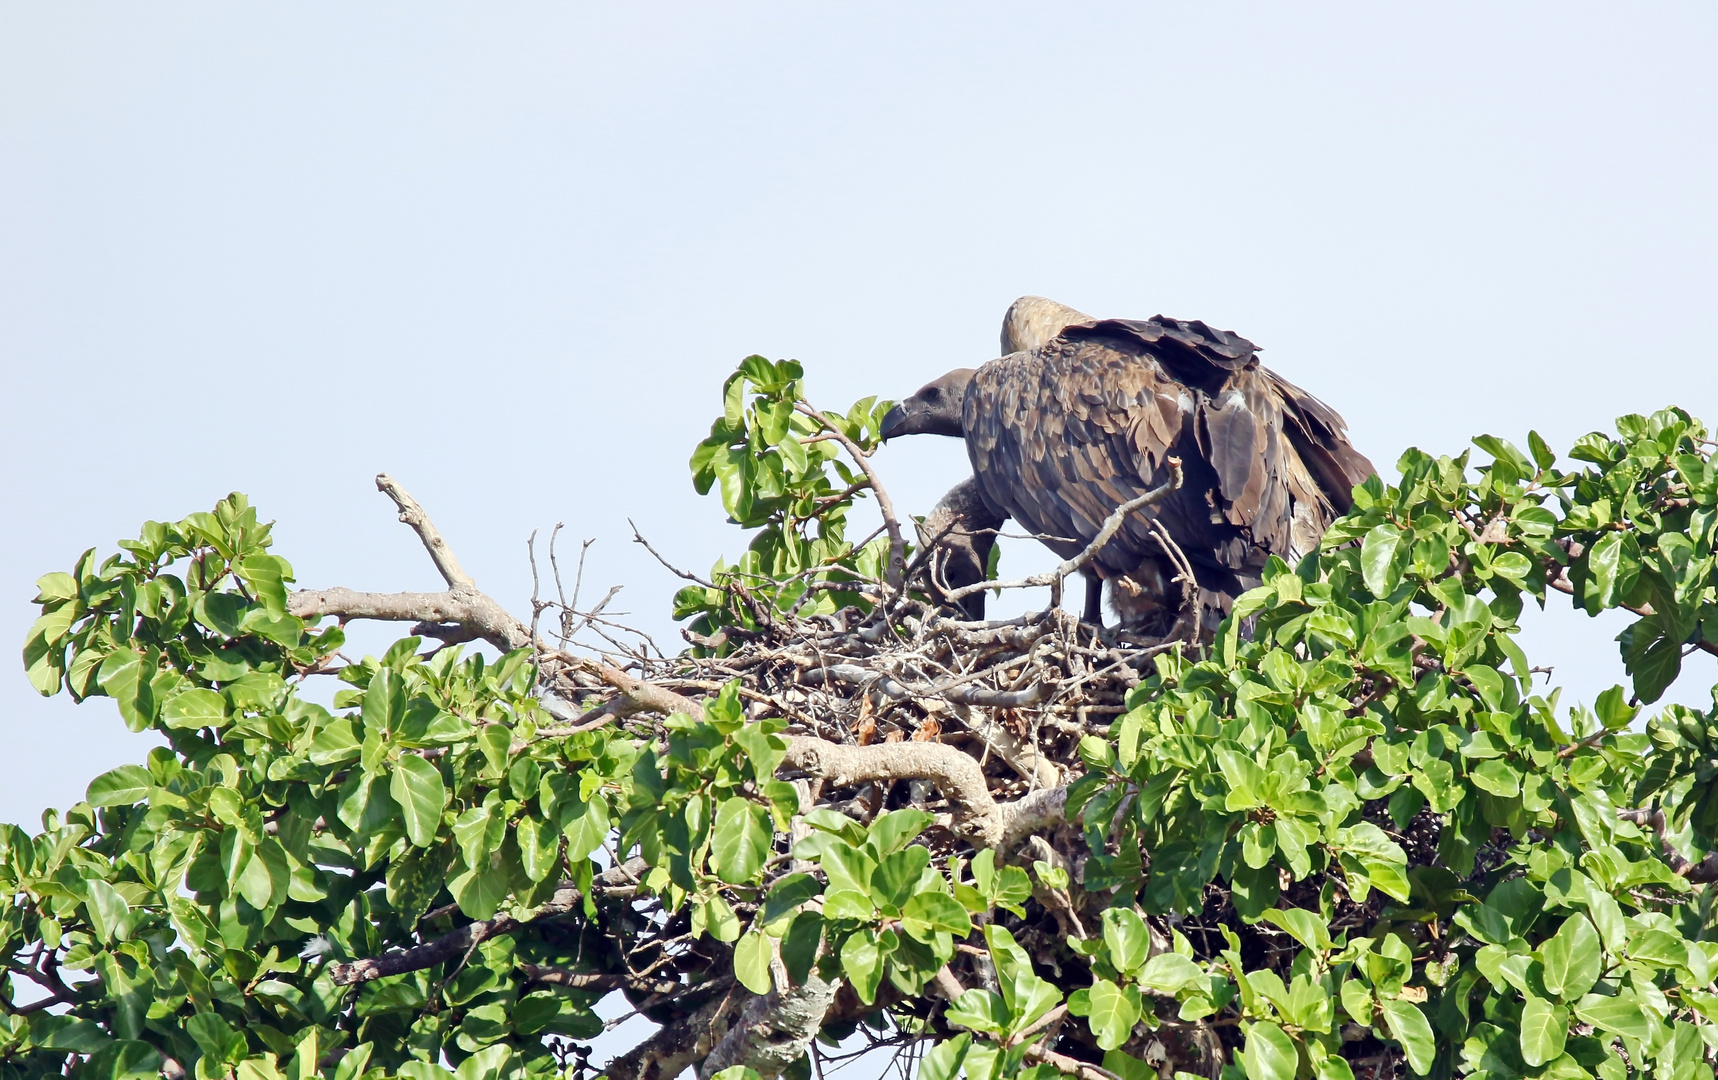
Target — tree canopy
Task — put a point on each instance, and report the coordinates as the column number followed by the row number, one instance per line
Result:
column 1345, row 835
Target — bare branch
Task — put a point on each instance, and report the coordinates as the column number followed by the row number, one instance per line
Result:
column 886, row 506
column 413, row 514
column 956, row 774
column 455, row 944
column 465, row 606
column 1699, row 873
column 591, row 980
column 855, row 675
column 1111, row 526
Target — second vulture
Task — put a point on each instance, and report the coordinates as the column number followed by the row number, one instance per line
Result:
column 1081, row 415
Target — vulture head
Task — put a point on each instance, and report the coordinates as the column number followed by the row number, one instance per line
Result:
column 1032, row 320
column 934, row 410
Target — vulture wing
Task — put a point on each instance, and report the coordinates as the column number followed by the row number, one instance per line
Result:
column 1060, row 436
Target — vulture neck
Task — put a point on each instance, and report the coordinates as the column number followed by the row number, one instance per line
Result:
column 1033, row 321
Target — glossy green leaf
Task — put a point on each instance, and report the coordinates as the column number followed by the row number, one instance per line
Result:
column 1113, row 1012
column 752, row 962
column 1378, row 560
column 1544, row 1029
column 193, row 709
column 1572, row 959
column 1127, row 939
column 927, row 914
column 120, row 787
column 740, row 840
column 1269, row 1054
column 417, row 788
column 1409, row 1027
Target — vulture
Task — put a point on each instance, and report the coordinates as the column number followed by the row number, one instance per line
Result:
column 1081, row 415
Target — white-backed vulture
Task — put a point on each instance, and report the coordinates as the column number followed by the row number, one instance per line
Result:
column 1081, row 415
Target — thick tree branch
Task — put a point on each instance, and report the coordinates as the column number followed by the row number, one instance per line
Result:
column 960, row 779
column 413, row 514
column 774, row 1029
column 452, row 945
column 676, row 1047
column 465, row 606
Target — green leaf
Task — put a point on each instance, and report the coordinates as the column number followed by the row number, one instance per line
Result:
column 1306, row 927
column 896, row 876
column 752, row 962
column 107, row 909
column 786, row 896
column 1113, row 1012
column 68, row 1034
column 480, row 892
column 490, row 1063
column 715, row 917
column 1544, row 1029
column 741, row 839
column 1127, row 939
column 929, row 913
column 539, row 848
column 1269, row 1054
column 943, row 1060
column 1408, row 1026
column 979, row 1010
column 1620, row 1014
column 1378, row 560
column 585, row 824
column 215, row 1037
column 55, row 586
column 862, row 960
column 1612, row 565
column 849, row 904
column 892, row 831
column 193, row 709
column 1333, row 1068
column 1571, row 958
column 120, row 787
column 267, row 576
column 221, row 612
column 124, row 676
column 417, row 787
column 1168, row 972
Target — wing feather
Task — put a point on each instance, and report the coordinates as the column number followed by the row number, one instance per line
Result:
column 1062, row 435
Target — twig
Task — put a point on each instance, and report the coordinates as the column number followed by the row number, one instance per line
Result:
column 589, row 980
column 1111, row 525
column 469, row 936
column 1698, row 873
column 638, row 538
column 897, row 545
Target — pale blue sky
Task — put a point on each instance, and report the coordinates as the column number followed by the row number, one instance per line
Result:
column 508, row 252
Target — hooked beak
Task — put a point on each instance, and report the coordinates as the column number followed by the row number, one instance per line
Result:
column 894, row 423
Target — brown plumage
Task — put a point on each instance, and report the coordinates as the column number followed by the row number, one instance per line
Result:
column 1082, row 415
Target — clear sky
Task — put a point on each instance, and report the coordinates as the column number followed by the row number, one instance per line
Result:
column 508, row 252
